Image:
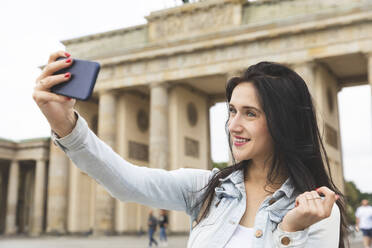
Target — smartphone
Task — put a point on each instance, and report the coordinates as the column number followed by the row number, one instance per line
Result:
column 83, row 78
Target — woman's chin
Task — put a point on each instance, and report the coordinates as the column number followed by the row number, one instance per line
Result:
column 239, row 158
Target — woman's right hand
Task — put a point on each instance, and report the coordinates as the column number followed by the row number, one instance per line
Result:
column 58, row 109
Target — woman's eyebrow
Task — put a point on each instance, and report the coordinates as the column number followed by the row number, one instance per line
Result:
column 247, row 107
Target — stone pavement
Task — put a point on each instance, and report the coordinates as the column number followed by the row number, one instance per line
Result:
column 87, row 242
column 102, row 242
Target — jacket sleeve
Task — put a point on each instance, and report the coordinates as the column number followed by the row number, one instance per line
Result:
column 324, row 233
column 153, row 187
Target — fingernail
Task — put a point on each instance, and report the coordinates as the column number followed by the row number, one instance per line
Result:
column 296, row 204
column 68, row 60
column 67, row 54
column 337, row 197
column 67, row 75
column 317, row 188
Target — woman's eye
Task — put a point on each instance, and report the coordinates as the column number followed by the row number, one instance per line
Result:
column 251, row 114
column 231, row 110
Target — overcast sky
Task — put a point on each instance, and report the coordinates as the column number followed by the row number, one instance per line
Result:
column 31, row 30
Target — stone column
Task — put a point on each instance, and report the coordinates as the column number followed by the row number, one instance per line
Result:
column 369, row 69
column 209, row 154
column 57, row 191
column 73, row 219
column 37, row 214
column 307, row 71
column 105, row 204
column 10, row 224
column 159, row 131
column 159, row 126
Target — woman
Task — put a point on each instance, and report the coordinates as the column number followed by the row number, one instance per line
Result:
column 277, row 192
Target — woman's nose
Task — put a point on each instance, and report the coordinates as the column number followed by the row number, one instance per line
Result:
column 234, row 124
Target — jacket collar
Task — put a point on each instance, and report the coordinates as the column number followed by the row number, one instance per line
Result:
column 237, row 177
column 287, row 188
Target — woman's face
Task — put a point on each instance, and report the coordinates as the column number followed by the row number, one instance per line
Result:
column 250, row 137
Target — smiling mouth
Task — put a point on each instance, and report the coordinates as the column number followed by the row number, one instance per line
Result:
column 241, row 142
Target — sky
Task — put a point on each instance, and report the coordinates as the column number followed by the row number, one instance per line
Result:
column 31, row 30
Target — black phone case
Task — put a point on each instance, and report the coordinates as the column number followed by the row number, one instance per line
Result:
column 83, row 78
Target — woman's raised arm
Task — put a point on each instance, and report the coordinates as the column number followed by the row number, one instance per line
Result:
column 154, row 187
column 148, row 186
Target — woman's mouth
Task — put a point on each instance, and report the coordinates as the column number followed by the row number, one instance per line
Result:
column 240, row 141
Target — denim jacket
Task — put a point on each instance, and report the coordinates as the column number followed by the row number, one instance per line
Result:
column 171, row 190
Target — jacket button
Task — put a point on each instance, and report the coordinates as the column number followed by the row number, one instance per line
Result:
column 272, row 201
column 285, row 240
column 258, row 233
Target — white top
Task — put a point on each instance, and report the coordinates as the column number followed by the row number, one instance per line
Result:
column 364, row 213
column 242, row 237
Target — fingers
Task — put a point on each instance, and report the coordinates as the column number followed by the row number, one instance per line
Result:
column 311, row 201
column 52, row 67
column 302, row 202
column 56, row 55
column 42, row 97
column 46, row 83
column 312, row 205
column 330, row 197
column 46, row 80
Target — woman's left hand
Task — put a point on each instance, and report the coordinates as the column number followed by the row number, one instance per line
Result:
column 309, row 209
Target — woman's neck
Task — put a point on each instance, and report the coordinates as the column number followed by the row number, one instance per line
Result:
column 256, row 175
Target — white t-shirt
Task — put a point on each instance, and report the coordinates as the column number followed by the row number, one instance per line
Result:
column 242, row 237
column 364, row 213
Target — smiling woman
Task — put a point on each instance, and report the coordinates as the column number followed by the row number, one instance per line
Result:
column 275, row 141
column 248, row 123
column 277, row 192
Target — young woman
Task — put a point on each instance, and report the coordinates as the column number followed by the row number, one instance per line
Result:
column 277, row 193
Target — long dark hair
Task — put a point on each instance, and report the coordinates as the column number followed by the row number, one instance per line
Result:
column 292, row 123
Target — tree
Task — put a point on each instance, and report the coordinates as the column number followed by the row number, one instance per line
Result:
column 220, row 165
column 353, row 198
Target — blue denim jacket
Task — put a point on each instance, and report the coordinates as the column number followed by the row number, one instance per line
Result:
column 172, row 190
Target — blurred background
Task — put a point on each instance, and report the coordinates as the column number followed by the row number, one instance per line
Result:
column 183, row 51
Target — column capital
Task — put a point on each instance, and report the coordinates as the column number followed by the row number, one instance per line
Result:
column 107, row 92
column 164, row 84
column 307, row 63
column 235, row 73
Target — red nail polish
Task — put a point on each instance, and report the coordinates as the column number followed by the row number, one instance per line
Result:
column 67, row 54
column 67, row 75
column 68, row 60
column 296, row 204
column 317, row 189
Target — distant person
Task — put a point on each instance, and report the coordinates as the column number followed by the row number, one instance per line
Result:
column 364, row 222
column 277, row 191
column 163, row 223
column 152, row 223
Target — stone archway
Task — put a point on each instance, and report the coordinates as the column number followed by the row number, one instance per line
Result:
column 182, row 56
